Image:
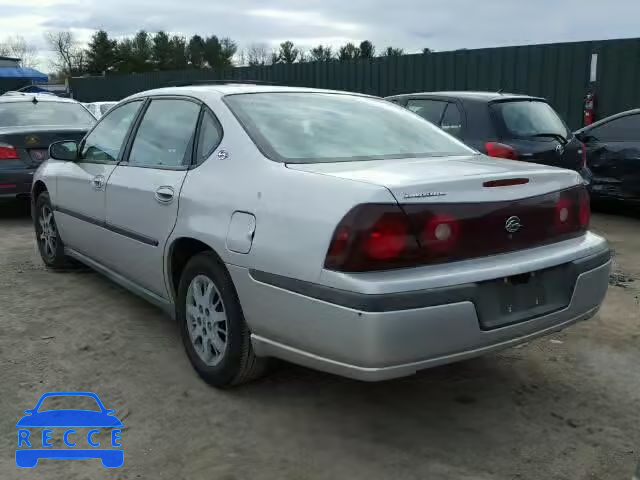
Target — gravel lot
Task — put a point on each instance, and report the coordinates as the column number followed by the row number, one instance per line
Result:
column 563, row 407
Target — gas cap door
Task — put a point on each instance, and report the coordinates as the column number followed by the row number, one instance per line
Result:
column 242, row 228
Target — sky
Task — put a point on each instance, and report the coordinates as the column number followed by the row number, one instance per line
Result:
column 409, row 24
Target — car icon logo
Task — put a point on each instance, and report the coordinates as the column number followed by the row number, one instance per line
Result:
column 33, row 446
column 513, row 224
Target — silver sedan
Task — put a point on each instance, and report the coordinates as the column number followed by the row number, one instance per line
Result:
column 333, row 230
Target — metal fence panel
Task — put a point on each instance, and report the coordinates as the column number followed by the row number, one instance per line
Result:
column 558, row 72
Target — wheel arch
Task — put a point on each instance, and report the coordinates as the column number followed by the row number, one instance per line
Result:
column 180, row 251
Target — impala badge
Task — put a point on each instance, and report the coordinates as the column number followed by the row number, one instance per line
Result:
column 559, row 149
column 424, row 195
column 512, row 225
column 32, row 140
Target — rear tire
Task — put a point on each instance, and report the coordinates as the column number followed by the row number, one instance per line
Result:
column 50, row 244
column 214, row 331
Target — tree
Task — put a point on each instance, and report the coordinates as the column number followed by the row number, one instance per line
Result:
column 227, row 51
column 142, row 52
column 288, row 53
column 124, row 56
column 348, row 52
column 195, row 51
column 427, row 51
column 17, row 47
column 69, row 58
column 392, row 52
column 258, row 54
column 367, row 50
column 212, row 52
column 321, row 54
column 101, row 54
column 161, row 51
column 178, row 59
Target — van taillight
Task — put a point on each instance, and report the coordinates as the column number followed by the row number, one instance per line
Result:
column 8, row 152
column 388, row 236
column 500, row 150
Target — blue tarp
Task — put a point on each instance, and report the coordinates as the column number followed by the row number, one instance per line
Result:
column 26, row 73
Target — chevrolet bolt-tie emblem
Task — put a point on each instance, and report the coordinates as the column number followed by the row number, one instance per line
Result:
column 513, row 224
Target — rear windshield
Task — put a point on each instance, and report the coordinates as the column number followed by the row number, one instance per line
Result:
column 18, row 114
column 326, row 127
column 529, row 119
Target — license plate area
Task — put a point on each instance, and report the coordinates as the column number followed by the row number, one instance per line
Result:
column 510, row 300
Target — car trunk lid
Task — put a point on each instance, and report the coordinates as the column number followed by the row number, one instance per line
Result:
column 32, row 143
column 450, row 179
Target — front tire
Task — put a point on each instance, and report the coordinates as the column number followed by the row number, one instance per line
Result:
column 214, row 331
column 49, row 242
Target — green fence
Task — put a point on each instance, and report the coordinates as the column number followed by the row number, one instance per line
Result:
column 559, row 72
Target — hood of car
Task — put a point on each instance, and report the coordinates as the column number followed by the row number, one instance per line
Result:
column 69, row 418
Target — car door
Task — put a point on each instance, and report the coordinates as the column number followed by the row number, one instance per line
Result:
column 80, row 185
column 142, row 193
column 613, row 156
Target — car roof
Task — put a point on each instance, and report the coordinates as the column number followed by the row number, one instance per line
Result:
column 231, row 89
column 478, row 96
column 28, row 97
column 634, row 111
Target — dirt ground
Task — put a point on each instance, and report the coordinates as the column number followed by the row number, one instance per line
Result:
column 563, row 407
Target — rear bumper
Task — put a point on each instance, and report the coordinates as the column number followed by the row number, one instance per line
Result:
column 14, row 183
column 383, row 339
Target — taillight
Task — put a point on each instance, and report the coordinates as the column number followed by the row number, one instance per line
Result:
column 572, row 211
column 500, row 150
column 440, row 234
column 372, row 237
column 8, row 152
column 387, row 236
column 584, row 212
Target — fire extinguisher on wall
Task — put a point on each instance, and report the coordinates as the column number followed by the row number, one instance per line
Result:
column 589, row 109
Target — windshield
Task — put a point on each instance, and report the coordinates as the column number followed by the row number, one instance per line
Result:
column 18, row 114
column 66, row 402
column 530, row 118
column 326, row 127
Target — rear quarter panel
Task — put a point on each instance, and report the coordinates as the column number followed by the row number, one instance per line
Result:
column 296, row 212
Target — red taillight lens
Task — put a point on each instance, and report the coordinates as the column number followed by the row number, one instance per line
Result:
column 500, row 150
column 8, row 152
column 388, row 238
column 584, row 212
column 372, row 237
column 440, row 234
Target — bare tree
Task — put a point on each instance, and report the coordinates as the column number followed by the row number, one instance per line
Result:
column 17, row 47
column 69, row 57
column 258, row 54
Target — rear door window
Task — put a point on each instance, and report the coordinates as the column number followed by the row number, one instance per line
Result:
column 452, row 120
column 624, row 129
column 528, row 119
column 431, row 110
column 164, row 138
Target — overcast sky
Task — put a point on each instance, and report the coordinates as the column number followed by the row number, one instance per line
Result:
column 410, row 24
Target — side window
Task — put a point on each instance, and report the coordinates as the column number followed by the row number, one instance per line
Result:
column 210, row 136
column 428, row 109
column 104, row 143
column 624, row 129
column 165, row 135
column 452, row 120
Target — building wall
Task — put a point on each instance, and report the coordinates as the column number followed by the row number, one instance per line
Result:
column 9, row 63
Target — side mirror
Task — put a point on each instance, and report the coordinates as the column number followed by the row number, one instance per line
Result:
column 66, row 150
column 29, row 410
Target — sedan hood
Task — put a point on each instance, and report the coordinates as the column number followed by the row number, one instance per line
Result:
column 449, row 179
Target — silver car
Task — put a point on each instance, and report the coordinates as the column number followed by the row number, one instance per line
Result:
column 329, row 229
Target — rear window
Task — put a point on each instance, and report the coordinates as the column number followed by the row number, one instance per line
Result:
column 18, row 114
column 309, row 127
column 529, row 119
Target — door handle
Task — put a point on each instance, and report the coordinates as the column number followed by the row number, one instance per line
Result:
column 98, row 182
column 164, row 195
